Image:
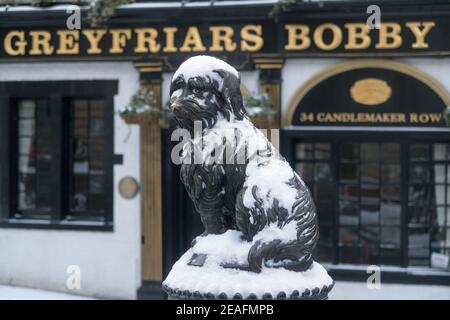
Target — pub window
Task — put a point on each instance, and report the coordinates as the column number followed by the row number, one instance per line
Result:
column 378, row 202
column 59, row 155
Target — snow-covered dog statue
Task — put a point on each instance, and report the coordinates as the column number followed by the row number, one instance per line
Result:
column 259, row 218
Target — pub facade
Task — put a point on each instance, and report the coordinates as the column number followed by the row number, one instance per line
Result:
column 363, row 117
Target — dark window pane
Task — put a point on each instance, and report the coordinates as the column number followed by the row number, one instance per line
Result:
column 390, row 193
column 349, row 152
column 370, row 194
column 419, row 173
column 418, row 239
column 34, row 156
column 26, row 109
column 305, row 171
column 439, row 173
column 370, row 255
column 419, row 152
column 370, row 152
column 390, row 152
column 322, row 151
column 80, row 108
column 88, row 157
column 348, row 236
column 418, row 215
column 349, row 173
column 421, row 194
column 322, row 172
column 390, row 213
column 370, row 173
column 370, row 214
column 390, row 173
column 97, row 127
column 97, row 108
column 348, row 213
column 349, row 255
column 324, row 253
column 439, row 151
column 390, row 237
column 369, row 236
column 304, row 150
column 349, row 192
column 325, row 211
column 390, row 256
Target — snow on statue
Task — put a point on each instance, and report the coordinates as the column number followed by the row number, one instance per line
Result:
column 259, row 217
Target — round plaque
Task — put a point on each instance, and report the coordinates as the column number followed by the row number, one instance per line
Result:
column 128, row 187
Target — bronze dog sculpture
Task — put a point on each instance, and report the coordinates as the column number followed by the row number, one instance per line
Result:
column 261, row 197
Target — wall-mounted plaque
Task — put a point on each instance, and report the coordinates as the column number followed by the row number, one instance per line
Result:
column 128, row 187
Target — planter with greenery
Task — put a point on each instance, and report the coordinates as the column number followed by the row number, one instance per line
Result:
column 143, row 109
column 259, row 110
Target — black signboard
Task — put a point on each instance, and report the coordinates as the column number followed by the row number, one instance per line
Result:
column 371, row 97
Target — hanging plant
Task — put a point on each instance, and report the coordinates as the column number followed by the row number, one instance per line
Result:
column 99, row 12
column 283, row 5
column 143, row 109
column 259, row 110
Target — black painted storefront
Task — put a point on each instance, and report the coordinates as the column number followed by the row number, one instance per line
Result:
column 347, row 245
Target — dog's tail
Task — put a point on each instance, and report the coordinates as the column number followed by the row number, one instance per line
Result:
column 295, row 255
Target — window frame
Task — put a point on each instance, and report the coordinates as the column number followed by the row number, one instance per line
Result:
column 58, row 93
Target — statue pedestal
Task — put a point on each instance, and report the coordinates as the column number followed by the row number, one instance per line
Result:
column 212, row 281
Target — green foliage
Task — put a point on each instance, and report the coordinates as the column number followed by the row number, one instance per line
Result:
column 102, row 10
column 283, row 5
column 143, row 101
column 258, row 105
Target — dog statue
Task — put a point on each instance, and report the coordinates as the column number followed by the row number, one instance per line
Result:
column 239, row 181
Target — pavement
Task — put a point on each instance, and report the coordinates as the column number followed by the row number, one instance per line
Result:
column 19, row 293
column 342, row 291
column 388, row 291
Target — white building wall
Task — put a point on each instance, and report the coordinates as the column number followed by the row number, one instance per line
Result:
column 109, row 261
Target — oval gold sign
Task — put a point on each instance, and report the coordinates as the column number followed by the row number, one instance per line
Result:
column 370, row 91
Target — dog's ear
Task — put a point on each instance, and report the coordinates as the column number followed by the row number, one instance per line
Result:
column 231, row 94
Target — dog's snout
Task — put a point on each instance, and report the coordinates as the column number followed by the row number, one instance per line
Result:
column 175, row 104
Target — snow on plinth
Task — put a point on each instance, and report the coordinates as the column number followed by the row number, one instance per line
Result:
column 213, row 280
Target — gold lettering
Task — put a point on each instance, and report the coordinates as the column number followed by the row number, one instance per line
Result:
column 336, row 38
column 40, row 43
column 119, row 39
column 192, row 41
column 147, row 40
column 296, row 33
column 252, row 39
column 18, row 48
column 420, row 34
column 357, row 31
column 68, row 42
column 435, row 117
column 94, row 37
column 222, row 35
column 170, row 39
column 389, row 30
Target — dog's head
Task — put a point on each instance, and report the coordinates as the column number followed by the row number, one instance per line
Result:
column 203, row 89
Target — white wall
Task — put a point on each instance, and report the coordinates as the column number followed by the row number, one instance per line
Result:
column 297, row 72
column 109, row 261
